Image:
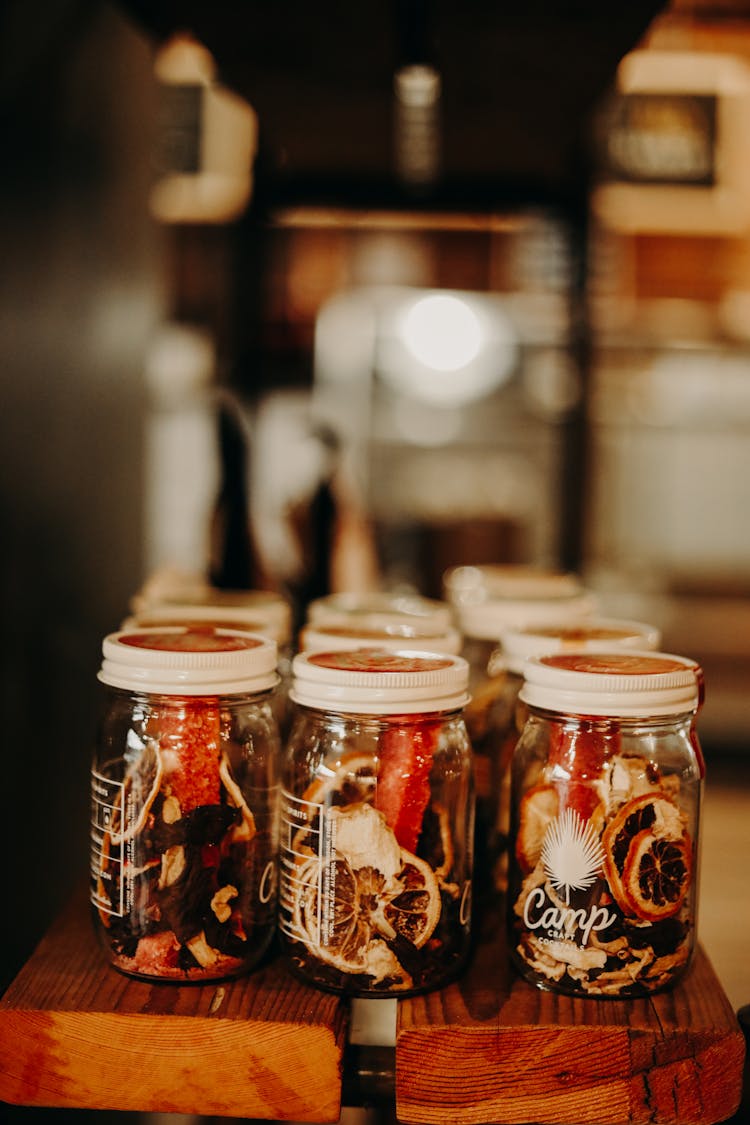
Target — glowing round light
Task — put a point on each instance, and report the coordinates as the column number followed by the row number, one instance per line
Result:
column 442, row 332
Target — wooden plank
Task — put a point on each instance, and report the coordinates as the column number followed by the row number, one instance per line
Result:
column 491, row 1048
column 76, row 1033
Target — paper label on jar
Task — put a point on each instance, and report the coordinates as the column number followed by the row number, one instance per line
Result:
column 107, row 845
column 300, row 863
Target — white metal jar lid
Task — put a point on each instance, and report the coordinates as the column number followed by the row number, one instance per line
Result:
column 590, row 634
column 632, row 684
column 390, row 632
column 487, row 619
column 268, row 608
column 350, row 606
column 377, row 682
column 201, row 616
column 463, row 585
column 179, row 661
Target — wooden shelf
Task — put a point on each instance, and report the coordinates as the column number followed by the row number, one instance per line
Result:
column 492, row 1048
column 74, row 1032
column 489, row 1048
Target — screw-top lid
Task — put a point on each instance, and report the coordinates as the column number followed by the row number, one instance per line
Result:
column 634, row 684
column 270, row 611
column 178, row 661
column 347, row 607
column 464, row 585
column 386, row 631
column 486, row 620
column 201, row 617
column 378, row 682
column 593, row 634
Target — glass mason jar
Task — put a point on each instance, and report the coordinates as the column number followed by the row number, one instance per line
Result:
column 258, row 611
column 594, row 634
column 386, row 631
column 377, row 822
column 184, row 799
column 607, row 780
column 351, row 608
column 465, row 585
column 537, row 598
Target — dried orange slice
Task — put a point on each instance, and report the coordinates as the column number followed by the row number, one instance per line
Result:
column 657, row 875
column 349, row 781
column 414, row 911
column 538, row 807
column 341, row 933
column 651, row 812
column 362, row 907
column 353, row 778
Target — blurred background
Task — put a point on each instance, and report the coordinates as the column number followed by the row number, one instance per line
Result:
column 335, row 297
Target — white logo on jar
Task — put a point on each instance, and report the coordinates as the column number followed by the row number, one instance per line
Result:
column 267, row 882
column 572, row 858
column 572, row 853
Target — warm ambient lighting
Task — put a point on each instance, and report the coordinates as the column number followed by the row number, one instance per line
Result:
column 444, row 348
column 207, row 140
column 442, row 332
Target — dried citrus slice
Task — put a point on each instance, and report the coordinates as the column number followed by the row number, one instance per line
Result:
column 652, row 812
column 657, row 875
column 351, row 779
column 414, row 911
column 361, row 906
column 339, row 935
column 538, row 807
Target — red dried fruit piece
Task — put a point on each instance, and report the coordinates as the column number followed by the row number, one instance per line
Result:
column 157, row 954
column 189, row 734
column 403, row 790
column 580, row 752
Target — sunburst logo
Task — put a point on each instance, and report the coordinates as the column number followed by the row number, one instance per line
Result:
column 572, row 854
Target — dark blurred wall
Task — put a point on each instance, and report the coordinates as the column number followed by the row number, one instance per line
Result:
column 79, row 296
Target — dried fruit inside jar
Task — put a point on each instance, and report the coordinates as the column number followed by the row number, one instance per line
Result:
column 373, row 880
column 602, row 900
column 184, row 870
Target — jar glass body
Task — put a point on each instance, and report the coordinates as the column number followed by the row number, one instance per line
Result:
column 605, row 818
column 184, row 833
column 491, row 723
column 376, row 850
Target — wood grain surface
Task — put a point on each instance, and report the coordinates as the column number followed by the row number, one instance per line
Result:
column 489, row 1048
column 74, row 1032
column 492, row 1048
